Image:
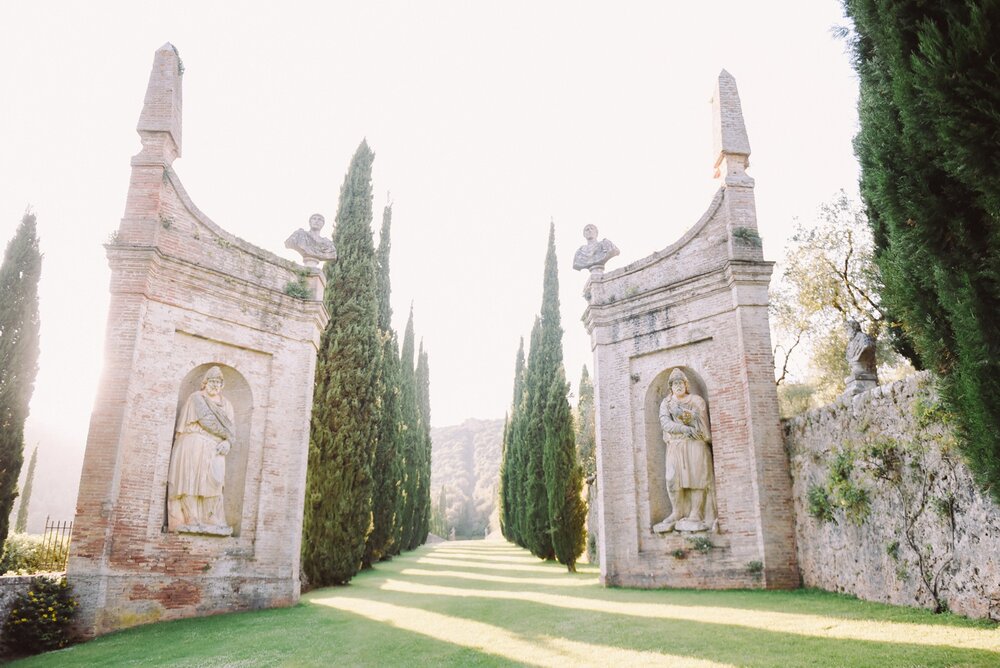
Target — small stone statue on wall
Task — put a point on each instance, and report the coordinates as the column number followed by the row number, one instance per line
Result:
column 690, row 478
column 204, row 433
column 594, row 254
column 861, row 357
column 311, row 244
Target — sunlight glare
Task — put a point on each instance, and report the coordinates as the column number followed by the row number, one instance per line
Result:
column 534, row 650
column 516, row 558
column 561, row 581
column 458, row 563
column 804, row 625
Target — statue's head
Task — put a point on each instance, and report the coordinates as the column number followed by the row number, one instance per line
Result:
column 678, row 382
column 316, row 222
column 212, row 381
column 590, row 232
column 852, row 328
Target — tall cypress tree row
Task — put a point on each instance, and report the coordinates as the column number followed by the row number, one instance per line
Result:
column 586, row 436
column 565, row 508
column 586, row 448
column 346, row 411
column 511, row 475
column 410, row 441
column 19, row 326
column 21, row 525
column 563, row 477
column 535, row 501
column 423, row 514
column 929, row 111
column 503, row 500
column 439, row 516
column 386, row 468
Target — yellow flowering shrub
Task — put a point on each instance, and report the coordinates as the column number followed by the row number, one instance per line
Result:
column 40, row 619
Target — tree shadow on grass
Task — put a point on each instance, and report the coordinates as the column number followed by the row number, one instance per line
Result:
column 805, row 601
column 537, row 624
column 439, row 607
column 303, row 635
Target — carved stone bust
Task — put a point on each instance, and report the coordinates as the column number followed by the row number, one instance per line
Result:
column 311, row 244
column 594, row 254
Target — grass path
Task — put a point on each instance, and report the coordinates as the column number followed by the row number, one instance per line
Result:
column 485, row 603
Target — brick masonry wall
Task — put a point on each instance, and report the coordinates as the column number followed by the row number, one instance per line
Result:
column 927, row 537
column 700, row 304
column 186, row 294
column 170, row 315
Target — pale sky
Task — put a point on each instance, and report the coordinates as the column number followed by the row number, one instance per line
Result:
column 487, row 120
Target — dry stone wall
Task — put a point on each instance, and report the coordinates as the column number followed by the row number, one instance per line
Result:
column 886, row 510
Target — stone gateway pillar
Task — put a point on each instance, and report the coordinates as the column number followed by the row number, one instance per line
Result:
column 193, row 480
column 692, row 475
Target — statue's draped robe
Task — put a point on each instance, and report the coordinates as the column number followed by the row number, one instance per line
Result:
column 688, row 457
column 197, row 470
column 861, row 354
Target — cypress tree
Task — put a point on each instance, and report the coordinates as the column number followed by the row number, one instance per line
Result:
column 503, row 498
column 929, row 109
column 410, row 442
column 386, row 468
column 586, row 436
column 19, row 326
column 346, row 415
column 534, row 500
column 21, row 526
column 423, row 493
column 439, row 518
column 565, row 508
column 563, row 478
column 510, row 474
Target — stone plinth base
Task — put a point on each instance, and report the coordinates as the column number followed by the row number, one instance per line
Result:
column 862, row 382
column 131, row 600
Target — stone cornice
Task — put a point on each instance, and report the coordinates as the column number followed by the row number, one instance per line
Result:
column 650, row 260
column 214, row 284
column 208, row 223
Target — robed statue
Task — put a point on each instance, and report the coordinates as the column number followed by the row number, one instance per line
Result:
column 688, row 458
column 197, row 475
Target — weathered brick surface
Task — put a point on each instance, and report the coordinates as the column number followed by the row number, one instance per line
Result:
column 700, row 304
column 185, row 294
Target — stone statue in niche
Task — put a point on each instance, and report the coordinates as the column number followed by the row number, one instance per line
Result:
column 311, row 244
column 594, row 254
column 861, row 357
column 195, row 481
column 690, row 478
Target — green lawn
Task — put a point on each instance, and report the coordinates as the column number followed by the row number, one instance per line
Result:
column 479, row 603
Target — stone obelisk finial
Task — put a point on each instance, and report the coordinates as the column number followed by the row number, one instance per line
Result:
column 729, row 134
column 160, row 121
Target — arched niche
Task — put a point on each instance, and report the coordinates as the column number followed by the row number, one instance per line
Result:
column 237, row 390
column 659, row 502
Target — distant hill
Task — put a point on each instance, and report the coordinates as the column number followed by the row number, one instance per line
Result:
column 465, row 460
